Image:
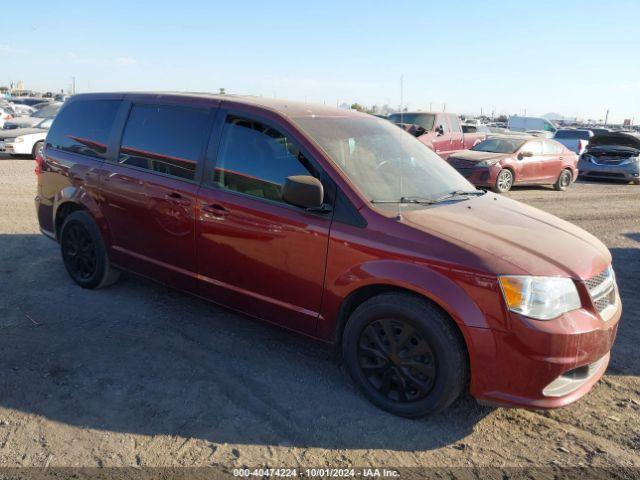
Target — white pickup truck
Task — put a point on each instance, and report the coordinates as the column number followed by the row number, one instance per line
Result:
column 574, row 139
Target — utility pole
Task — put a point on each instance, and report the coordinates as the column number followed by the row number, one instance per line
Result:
column 401, row 97
column 444, row 107
column 73, row 87
column 606, row 118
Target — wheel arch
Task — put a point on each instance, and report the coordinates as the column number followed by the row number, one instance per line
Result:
column 71, row 199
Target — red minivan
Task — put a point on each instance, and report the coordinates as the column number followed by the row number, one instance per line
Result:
column 337, row 225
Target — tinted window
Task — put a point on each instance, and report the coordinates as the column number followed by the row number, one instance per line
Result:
column 49, row 111
column 165, row 139
column 83, row 127
column 533, row 147
column 548, row 127
column 255, row 159
column 469, row 129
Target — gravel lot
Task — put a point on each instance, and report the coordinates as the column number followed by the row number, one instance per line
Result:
column 140, row 375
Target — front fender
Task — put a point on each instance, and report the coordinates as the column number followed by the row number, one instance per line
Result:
column 442, row 285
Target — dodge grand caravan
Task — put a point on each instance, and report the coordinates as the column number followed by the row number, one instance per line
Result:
column 337, row 225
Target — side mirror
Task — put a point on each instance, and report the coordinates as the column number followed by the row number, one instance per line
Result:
column 522, row 155
column 303, row 191
column 440, row 129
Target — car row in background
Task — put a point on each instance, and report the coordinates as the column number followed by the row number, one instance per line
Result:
column 25, row 141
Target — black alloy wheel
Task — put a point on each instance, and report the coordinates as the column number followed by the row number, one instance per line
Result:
column 79, row 252
column 396, row 360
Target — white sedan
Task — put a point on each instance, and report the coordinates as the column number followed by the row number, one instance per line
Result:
column 25, row 141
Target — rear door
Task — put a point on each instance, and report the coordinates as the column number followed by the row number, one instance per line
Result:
column 149, row 191
column 256, row 253
column 552, row 161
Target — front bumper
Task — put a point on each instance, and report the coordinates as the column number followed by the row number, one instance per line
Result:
column 21, row 148
column 542, row 364
column 627, row 172
column 481, row 176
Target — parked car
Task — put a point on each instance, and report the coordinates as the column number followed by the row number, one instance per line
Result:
column 25, row 141
column 6, row 113
column 338, row 225
column 30, row 101
column 613, row 155
column 501, row 162
column 524, row 124
column 49, row 111
column 441, row 132
column 574, row 139
column 22, row 110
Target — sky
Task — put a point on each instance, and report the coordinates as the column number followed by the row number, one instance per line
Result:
column 573, row 57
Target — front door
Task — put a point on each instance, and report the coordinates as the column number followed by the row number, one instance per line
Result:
column 256, row 253
column 528, row 170
column 149, row 193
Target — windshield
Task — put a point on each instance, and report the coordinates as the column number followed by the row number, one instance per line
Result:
column 46, row 123
column 425, row 120
column 572, row 134
column 49, row 111
column 499, row 145
column 383, row 161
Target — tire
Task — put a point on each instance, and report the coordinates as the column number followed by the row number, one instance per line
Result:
column 636, row 182
column 564, row 180
column 423, row 373
column 36, row 148
column 84, row 253
column 504, row 181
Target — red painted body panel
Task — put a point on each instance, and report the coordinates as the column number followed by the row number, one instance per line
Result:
column 297, row 269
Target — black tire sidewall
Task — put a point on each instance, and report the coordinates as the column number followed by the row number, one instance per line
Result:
column 102, row 264
column 558, row 185
column 449, row 382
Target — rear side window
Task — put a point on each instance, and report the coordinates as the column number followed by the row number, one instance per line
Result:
column 83, row 127
column 165, row 139
column 534, row 147
column 255, row 159
column 552, row 148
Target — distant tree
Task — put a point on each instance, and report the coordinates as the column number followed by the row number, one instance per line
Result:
column 222, row 90
column 502, row 118
column 357, row 106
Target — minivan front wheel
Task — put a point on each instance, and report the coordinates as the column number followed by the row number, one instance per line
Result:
column 504, row 181
column 84, row 253
column 405, row 355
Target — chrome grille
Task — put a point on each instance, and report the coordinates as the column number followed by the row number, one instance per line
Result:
column 602, row 288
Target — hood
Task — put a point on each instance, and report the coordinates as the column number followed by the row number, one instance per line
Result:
column 475, row 156
column 617, row 139
column 24, row 121
column 17, row 132
column 519, row 238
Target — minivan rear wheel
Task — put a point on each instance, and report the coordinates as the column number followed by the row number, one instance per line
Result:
column 84, row 253
column 504, row 181
column 405, row 355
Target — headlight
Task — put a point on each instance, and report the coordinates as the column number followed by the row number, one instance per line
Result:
column 8, row 140
column 542, row 298
column 487, row 163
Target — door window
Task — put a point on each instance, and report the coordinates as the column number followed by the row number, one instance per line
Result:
column 455, row 123
column 552, row 148
column 255, row 159
column 83, row 127
column 442, row 120
column 534, row 147
column 165, row 139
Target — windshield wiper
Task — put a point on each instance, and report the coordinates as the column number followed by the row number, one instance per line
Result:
column 418, row 200
column 458, row 193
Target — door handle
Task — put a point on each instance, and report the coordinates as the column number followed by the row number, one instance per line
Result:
column 177, row 199
column 215, row 210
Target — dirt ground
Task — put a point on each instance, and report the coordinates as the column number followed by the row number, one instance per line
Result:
column 140, row 375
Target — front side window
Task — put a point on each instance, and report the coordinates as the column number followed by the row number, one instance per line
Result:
column 382, row 161
column 83, row 127
column 455, row 123
column 165, row 139
column 255, row 159
column 442, row 121
column 534, row 147
column 548, row 127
